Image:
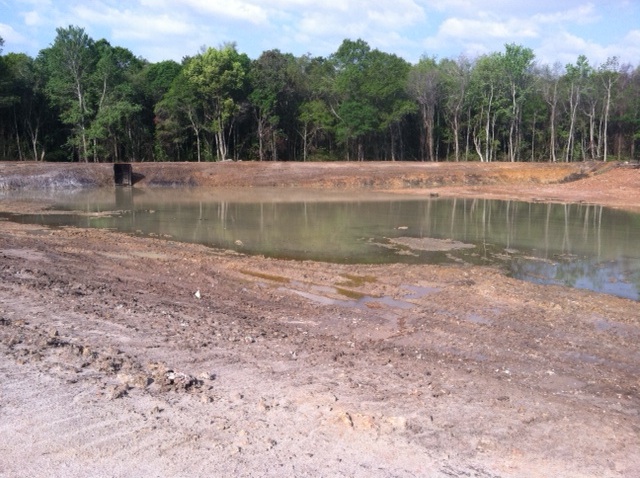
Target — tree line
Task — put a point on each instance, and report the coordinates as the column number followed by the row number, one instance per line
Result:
column 86, row 100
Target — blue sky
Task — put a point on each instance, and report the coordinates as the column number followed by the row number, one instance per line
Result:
column 557, row 30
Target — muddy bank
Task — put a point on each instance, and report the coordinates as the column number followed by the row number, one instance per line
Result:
column 611, row 184
column 267, row 174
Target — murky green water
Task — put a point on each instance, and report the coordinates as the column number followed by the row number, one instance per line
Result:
column 577, row 245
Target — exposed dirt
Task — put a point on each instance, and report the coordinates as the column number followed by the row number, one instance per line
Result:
column 127, row 356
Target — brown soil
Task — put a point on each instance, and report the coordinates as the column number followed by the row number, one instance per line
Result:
column 127, row 356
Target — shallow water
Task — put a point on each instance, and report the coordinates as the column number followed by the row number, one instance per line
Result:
column 582, row 246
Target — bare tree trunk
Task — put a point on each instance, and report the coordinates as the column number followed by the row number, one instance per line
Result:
column 606, row 121
column 533, row 139
column 592, row 133
column 467, row 146
column 552, row 101
column 488, row 128
column 260, row 138
column 573, row 108
column 512, row 126
column 456, row 136
column 274, row 145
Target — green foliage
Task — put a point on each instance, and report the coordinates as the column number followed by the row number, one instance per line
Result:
column 179, row 111
column 220, row 77
column 156, row 78
column 88, row 100
column 274, row 78
column 370, row 92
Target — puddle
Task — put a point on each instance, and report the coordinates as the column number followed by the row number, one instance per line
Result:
column 620, row 329
column 585, row 358
column 418, row 292
column 477, row 319
column 363, row 302
column 357, row 300
column 431, row 244
column 27, row 254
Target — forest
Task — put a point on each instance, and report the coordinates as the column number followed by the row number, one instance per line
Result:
column 86, row 100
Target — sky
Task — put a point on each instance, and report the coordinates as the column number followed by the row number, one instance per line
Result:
column 556, row 30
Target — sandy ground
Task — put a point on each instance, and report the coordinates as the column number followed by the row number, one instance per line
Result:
column 126, row 356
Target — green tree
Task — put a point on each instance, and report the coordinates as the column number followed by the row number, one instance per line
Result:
column 152, row 83
column 575, row 80
column 181, row 109
column 10, row 141
column 156, row 78
column 353, row 110
column 272, row 88
column 609, row 74
column 314, row 117
column 517, row 65
column 455, row 78
column 116, row 103
column 30, row 111
column 625, row 116
column 388, row 90
column 424, row 86
column 70, row 63
column 488, row 101
column 548, row 87
column 535, row 114
column 371, row 95
column 220, row 77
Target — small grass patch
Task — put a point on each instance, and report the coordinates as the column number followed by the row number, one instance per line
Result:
column 357, row 281
column 262, row 275
column 351, row 294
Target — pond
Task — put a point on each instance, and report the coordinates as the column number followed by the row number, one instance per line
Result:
column 577, row 245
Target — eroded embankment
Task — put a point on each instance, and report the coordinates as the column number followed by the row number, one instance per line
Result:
column 388, row 175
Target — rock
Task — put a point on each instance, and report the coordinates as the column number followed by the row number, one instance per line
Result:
column 180, row 381
column 398, row 423
column 346, row 419
column 197, row 294
column 119, row 391
column 207, row 376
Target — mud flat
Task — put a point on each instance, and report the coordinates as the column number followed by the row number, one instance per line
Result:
column 132, row 356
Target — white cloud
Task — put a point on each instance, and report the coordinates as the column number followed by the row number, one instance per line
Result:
column 251, row 12
column 397, row 14
column 9, row 35
column 464, row 28
column 320, row 27
column 131, row 24
column 15, row 41
column 33, row 19
column 513, row 8
column 581, row 15
column 553, row 29
column 627, row 50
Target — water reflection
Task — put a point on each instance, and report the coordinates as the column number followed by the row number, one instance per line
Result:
column 579, row 245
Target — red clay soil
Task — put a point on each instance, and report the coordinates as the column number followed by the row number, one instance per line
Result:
column 128, row 356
